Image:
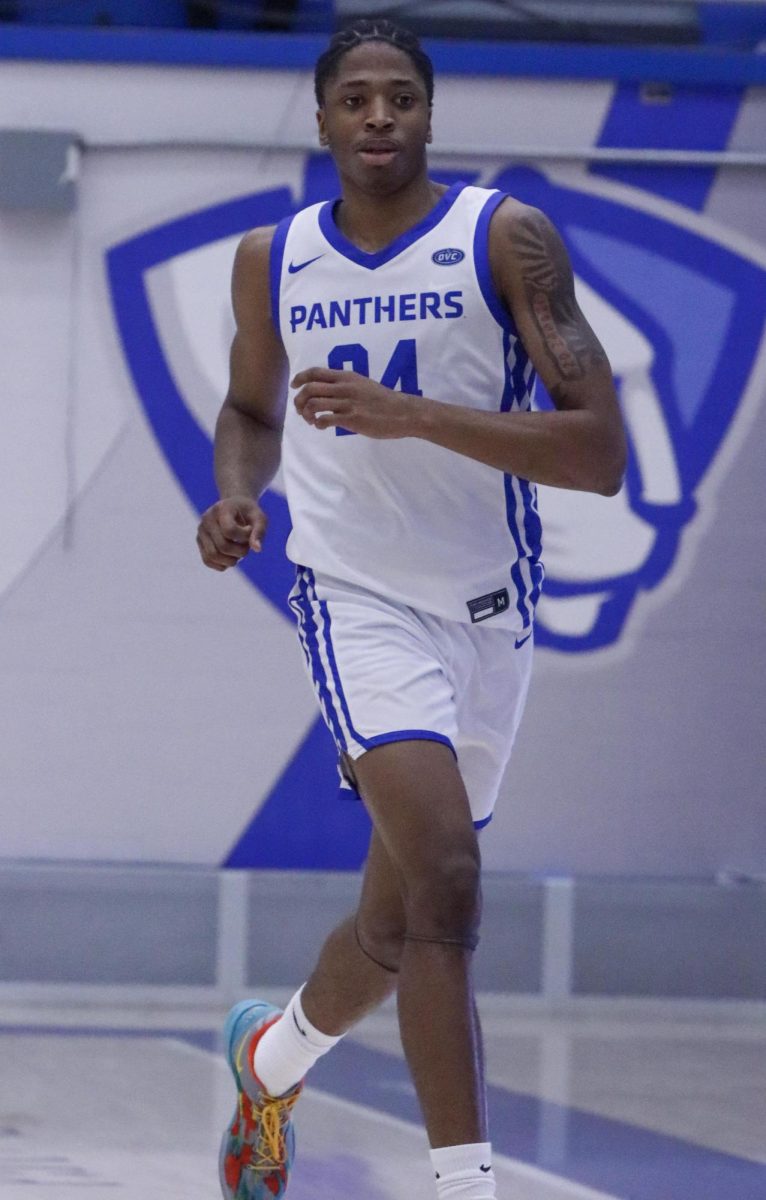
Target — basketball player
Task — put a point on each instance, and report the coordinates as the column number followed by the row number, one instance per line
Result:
column 386, row 348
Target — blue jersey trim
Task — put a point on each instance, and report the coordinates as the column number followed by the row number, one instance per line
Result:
column 276, row 257
column 319, row 676
column 482, row 264
column 509, row 392
column 327, row 624
column 348, row 792
column 533, row 531
column 516, row 389
column 361, row 257
column 410, row 735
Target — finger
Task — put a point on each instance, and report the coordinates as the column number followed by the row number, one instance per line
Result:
column 211, row 555
column 207, row 552
column 328, row 420
column 320, row 410
column 224, row 546
column 312, row 390
column 332, row 404
column 234, row 528
column 317, row 375
column 258, row 533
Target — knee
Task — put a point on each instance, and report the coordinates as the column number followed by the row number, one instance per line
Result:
column 444, row 900
column 380, row 935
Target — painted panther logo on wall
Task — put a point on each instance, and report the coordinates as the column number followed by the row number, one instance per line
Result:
column 679, row 304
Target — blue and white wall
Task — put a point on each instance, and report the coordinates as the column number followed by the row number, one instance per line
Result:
column 154, row 711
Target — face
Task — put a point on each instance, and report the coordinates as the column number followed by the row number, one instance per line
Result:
column 376, row 119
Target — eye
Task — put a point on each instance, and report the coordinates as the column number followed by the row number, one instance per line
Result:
column 405, row 100
column 352, row 101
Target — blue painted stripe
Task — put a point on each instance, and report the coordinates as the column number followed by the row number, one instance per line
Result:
column 311, row 631
column 483, row 823
column 378, row 259
column 541, row 60
column 301, row 826
column 699, row 118
column 330, row 650
column 482, row 264
column 607, row 1155
column 276, row 257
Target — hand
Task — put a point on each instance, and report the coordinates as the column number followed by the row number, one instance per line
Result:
column 228, row 530
column 328, row 398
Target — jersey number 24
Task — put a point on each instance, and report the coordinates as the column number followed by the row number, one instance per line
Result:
column 401, row 372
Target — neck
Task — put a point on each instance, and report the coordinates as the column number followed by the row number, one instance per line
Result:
column 372, row 222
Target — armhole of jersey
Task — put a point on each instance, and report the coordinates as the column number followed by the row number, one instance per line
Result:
column 276, row 256
column 484, row 271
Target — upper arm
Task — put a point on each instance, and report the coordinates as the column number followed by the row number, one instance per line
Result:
column 533, row 274
column 258, row 363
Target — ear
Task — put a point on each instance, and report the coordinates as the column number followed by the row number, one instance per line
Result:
column 322, row 128
column 429, row 135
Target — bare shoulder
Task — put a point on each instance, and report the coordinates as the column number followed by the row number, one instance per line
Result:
column 253, row 251
column 533, row 274
column 250, row 276
column 258, row 362
column 256, row 244
column 512, row 215
column 524, row 244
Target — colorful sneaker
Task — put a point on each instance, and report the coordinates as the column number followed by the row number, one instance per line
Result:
column 258, row 1146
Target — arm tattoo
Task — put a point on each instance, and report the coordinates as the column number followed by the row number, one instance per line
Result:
column 569, row 341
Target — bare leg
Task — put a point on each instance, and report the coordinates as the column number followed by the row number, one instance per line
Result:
column 422, row 877
column 420, row 810
column 347, row 983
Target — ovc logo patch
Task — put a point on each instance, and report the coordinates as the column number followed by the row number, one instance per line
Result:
column 448, row 257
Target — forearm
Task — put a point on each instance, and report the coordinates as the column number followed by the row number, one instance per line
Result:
column 247, row 453
column 569, row 449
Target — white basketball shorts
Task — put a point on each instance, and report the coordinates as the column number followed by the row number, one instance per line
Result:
column 384, row 672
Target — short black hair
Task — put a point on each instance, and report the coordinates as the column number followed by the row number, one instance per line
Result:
column 376, row 30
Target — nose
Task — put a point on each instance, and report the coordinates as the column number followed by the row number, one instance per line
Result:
column 379, row 115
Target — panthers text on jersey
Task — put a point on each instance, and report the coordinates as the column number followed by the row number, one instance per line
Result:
column 404, row 518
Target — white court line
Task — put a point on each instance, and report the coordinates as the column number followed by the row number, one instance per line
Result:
column 547, row 1185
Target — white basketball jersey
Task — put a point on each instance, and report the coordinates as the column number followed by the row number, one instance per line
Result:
column 409, row 520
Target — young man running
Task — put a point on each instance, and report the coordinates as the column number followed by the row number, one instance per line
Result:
column 407, row 320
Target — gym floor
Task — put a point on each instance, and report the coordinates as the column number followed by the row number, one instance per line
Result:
column 661, row 1101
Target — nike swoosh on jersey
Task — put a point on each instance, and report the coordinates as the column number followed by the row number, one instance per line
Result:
column 519, row 644
column 485, row 1169
column 293, row 268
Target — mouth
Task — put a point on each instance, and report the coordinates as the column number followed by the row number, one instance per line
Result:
column 379, row 151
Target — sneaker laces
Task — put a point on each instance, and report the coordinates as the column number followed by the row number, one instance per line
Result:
column 270, row 1119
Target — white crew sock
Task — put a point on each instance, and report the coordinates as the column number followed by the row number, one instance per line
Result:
column 286, row 1051
column 461, row 1174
